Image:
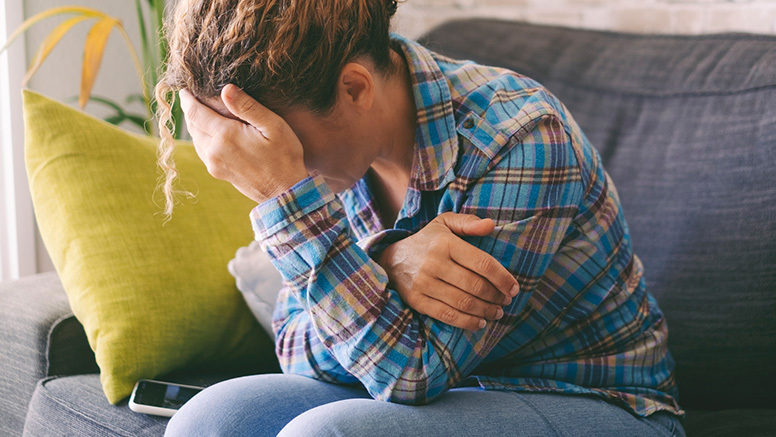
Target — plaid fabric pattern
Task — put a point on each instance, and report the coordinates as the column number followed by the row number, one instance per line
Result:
column 495, row 144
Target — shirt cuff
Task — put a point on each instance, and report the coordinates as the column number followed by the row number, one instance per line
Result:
column 279, row 212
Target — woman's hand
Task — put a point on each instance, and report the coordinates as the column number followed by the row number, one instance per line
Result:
column 442, row 276
column 258, row 152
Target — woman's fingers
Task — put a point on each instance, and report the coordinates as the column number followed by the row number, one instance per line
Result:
column 484, row 265
column 466, row 224
column 464, row 301
column 200, row 116
column 476, row 285
column 445, row 313
column 247, row 109
column 438, row 274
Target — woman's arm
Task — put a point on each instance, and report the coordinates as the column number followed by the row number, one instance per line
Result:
column 397, row 353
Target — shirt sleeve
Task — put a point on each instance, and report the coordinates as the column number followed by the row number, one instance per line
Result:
column 343, row 319
column 297, row 343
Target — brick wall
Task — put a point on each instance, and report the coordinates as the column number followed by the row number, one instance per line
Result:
column 643, row 16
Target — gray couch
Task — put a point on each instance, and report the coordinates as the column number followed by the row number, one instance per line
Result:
column 686, row 127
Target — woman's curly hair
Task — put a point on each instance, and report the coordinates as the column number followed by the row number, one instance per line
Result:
column 283, row 53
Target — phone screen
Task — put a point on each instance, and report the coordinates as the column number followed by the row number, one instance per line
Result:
column 163, row 395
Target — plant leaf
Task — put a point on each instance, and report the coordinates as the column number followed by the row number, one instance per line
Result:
column 93, row 51
column 107, row 102
column 88, row 12
column 177, row 116
column 97, row 99
column 115, row 119
column 144, row 45
column 135, row 98
column 137, row 120
column 140, row 121
column 159, row 40
column 52, row 39
column 135, row 59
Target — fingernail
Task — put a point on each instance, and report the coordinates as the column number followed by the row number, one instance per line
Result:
column 230, row 91
column 507, row 301
column 482, row 323
column 184, row 94
column 499, row 314
column 514, row 290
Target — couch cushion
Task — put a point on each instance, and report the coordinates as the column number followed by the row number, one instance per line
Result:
column 686, row 127
column 726, row 423
column 75, row 406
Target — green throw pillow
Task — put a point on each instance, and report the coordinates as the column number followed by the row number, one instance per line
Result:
column 153, row 298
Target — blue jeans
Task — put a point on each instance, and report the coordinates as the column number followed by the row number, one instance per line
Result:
column 291, row 405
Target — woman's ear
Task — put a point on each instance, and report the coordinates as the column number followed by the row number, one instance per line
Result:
column 356, row 87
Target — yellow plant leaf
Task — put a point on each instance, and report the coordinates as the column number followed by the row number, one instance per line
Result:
column 93, row 51
column 81, row 10
column 52, row 39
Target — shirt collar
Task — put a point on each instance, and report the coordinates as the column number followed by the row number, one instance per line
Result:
column 436, row 140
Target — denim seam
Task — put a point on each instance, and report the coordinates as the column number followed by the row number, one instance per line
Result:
column 536, row 409
column 660, row 428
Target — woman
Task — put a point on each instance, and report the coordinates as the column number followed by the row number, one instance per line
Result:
column 404, row 196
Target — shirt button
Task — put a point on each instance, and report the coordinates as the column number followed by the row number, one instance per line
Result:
column 468, row 124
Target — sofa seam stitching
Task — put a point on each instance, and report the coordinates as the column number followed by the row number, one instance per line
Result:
column 74, row 411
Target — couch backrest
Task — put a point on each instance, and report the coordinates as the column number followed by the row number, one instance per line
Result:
column 686, row 127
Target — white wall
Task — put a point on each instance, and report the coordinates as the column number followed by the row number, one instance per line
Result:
column 414, row 17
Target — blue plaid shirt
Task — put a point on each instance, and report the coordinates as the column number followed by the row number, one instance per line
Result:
column 495, row 144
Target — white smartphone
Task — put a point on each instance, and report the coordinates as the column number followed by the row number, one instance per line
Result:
column 160, row 398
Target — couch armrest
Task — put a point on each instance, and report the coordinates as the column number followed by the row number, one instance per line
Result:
column 39, row 337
